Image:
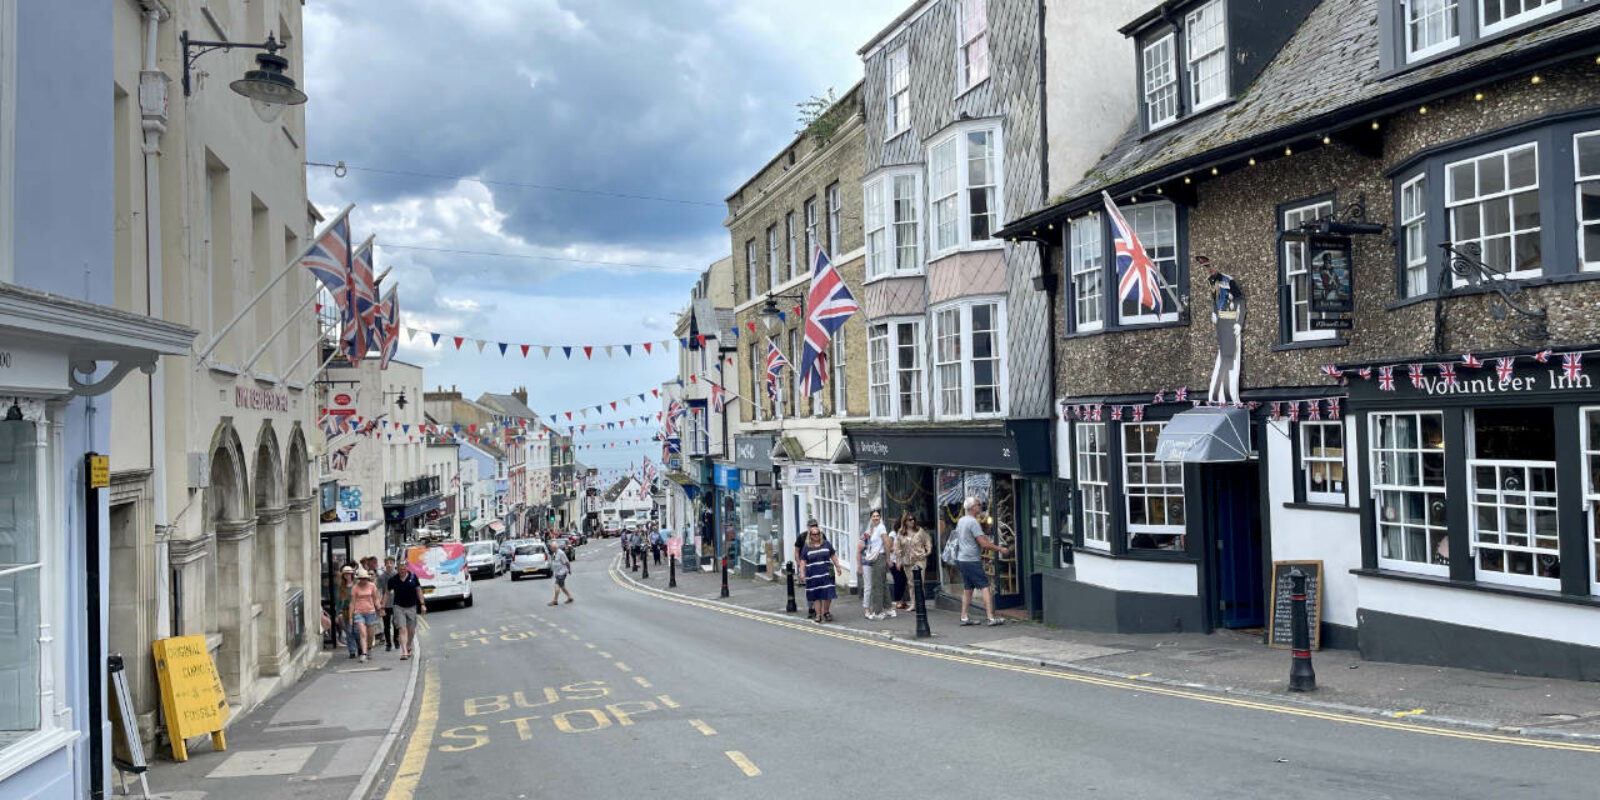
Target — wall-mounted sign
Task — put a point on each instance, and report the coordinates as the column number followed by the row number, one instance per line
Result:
column 260, row 399
column 342, row 402
column 1331, row 288
column 804, row 476
column 99, row 471
column 753, row 452
column 31, row 369
column 726, row 476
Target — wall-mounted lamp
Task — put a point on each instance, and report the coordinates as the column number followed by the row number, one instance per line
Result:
column 400, row 402
column 267, row 86
column 771, row 317
column 14, row 413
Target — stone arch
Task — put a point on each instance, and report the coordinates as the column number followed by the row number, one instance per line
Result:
column 229, row 507
column 301, row 540
column 227, row 498
column 266, row 576
column 270, row 480
column 297, row 467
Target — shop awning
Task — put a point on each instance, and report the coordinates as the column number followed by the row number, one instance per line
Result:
column 690, row 486
column 497, row 526
column 1206, row 435
column 355, row 528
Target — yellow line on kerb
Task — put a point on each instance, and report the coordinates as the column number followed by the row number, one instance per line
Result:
column 416, row 757
column 1131, row 684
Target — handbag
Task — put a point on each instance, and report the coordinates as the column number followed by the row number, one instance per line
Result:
column 951, row 547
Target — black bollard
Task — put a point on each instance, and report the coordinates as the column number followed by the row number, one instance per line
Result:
column 1302, row 678
column 646, row 563
column 672, row 572
column 635, row 560
column 788, row 571
column 724, row 576
column 923, row 631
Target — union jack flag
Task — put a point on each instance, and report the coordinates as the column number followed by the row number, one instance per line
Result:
column 1386, row 379
column 1332, row 371
column 339, row 459
column 329, row 261
column 1543, row 355
column 1316, row 409
column 1415, row 372
column 717, row 397
column 1503, row 368
column 1572, row 366
column 1161, row 397
column 1116, row 413
column 1137, row 275
column 1333, row 408
column 1294, row 411
column 775, row 364
column 1448, row 372
column 1366, row 373
column 388, row 328
column 1470, row 360
column 364, row 289
column 1094, row 413
column 1182, row 394
column 1138, row 413
column 1277, row 411
column 828, row 304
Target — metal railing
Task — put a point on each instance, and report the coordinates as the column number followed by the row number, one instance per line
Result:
column 418, row 488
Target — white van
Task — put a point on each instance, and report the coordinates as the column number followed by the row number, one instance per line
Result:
column 442, row 570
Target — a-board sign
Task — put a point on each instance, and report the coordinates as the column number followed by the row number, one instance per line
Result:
column 191, row 692
column 1282, row 632
column 675, row 547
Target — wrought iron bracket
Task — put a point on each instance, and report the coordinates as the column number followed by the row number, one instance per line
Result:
column 193, row 49
column 1466, row 262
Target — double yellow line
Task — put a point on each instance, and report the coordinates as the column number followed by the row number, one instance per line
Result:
column 1126, row 685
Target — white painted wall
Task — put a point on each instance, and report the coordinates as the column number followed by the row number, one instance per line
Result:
column 1332, row 537
column 1559, row 622
column 1089, row 71
column 1134, row 575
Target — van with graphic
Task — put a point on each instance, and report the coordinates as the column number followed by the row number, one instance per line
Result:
column 442, row 570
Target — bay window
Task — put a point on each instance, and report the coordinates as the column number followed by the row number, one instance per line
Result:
column 1153, row 491
column 1586, row 165
column 892, row 224
column 968, row 348
column 1493, row 202
column 1088, row 268
column 972, row 36
column 1407, row 451
column 966, row 186
column 1206, row 38
column 1160, row 83
column 1432, row 26
column 1156, row 225
column 1414, row 235
column 1094, row 484
column 894, row 369
column 21, row 563
column 898, row 119
column 874, row 217
column 1296, row 303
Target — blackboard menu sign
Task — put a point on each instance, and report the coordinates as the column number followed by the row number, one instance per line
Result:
column 1281, row 634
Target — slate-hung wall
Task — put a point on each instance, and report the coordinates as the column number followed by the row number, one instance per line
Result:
column 1235, row 222
column 1011, row 95
column 803, row 171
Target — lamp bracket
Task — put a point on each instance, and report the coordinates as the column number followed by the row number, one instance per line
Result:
column 200, row 48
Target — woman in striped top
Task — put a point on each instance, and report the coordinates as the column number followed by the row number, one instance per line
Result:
column 821, row 563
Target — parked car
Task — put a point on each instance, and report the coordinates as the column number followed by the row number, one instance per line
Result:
column 442, row 570
column 530, row 558
column 583, row 538
column 483, row 561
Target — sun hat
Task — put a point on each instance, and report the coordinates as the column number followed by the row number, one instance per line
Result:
column 348, row 569
column 363, row 574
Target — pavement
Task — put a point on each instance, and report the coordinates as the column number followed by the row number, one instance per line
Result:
column 324, row 738
column 1226, row 662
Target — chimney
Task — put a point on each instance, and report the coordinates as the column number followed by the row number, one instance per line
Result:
column 521, row 393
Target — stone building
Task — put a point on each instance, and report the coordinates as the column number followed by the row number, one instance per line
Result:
column 807, row 197
column 1386, row 209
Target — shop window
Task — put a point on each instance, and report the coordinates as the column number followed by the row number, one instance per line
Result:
column 1094, row 484
column 1408, row 479
column 1296, row 302
column 1206, row 35
column 1586, row 162
column 1493, row 202
column 1414, row 235
column 1322, row 462
column 21, row 563
column 1591, row 491
column 1432, row 26
column 836, row 513
column 1512, row 470
column 1154, row 491
column 1088, row 266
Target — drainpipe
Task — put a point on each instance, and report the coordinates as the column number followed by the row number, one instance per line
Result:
column 153, row 85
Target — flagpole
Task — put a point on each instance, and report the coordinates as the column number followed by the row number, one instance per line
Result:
column 294, row 262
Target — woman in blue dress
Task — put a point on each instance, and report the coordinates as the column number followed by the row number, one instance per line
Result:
column 821, row 563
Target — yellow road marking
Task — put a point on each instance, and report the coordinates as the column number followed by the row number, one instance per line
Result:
column 416, row 756
column 1137, row 677
column 604, row 654
column 750, row 769
column 1412, row 712
column 589, row 645
column 666, row 701
column 1139, row 686
column 702, row 727
column 574, row 637
column 622, row 666
column 642, row 682
column 563, row 630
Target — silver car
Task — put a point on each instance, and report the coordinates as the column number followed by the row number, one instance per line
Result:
column 482, row 560
column 530, row 558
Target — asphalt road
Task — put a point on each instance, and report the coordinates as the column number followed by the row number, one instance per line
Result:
column 625, row 694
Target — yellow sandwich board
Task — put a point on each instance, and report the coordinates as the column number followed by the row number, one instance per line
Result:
column 191, row 692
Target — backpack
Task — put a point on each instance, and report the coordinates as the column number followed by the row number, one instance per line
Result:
column 951, row 547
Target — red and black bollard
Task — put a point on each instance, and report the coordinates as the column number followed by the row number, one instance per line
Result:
column 1302, row 678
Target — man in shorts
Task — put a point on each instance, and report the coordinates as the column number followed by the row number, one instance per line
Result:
column 560, row 568
column 405, row 591
column 970, row 546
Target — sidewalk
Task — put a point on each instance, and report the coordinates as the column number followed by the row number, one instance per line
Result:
column 322, row 739
column 1226, row 661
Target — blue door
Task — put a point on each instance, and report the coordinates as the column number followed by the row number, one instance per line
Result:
column 1234, row 519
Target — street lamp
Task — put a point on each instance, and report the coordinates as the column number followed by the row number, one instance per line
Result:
column 401, row 401
column 771, row 317
column 268, row 87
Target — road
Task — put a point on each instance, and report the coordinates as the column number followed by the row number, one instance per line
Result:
column 629, row 694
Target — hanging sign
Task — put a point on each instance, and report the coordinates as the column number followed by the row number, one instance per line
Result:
column 342, row 402
column 1330, row 279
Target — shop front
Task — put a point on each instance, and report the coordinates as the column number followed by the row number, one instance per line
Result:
column 1479, row 508
column 725, row 505
column 761, row 547
column 930, row 470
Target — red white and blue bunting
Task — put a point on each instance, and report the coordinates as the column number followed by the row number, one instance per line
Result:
column 1451, row 372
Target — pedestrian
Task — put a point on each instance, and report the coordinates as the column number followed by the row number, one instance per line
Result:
column 386, row 610
column 560, row 568
column 655, row 544
column 800, row 565
column 897, row 569
column 347, row 581
column 875, row 569
column 822, row 565
column 408, row 604
column 971, row 543
column 863, row 546
column 364, row 609
column 912, row 546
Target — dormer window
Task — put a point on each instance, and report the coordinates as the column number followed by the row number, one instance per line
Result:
column 1160, row 83
column 1431, row 27
column 1207, row 34
column 1501, row 14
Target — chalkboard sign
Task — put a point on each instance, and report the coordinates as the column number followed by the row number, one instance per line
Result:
column 1281, row 635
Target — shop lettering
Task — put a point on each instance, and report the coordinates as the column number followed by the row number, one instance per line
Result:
column 1554, row 381
column 872, row 447
column 5, row 359
column 260, row 399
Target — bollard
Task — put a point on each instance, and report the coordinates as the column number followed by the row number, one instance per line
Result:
column 635, row 559
column 1302, row 678
column 788, row 571
column 672, row 572
column 923, row 631
column 646, row 573
column 724, row 576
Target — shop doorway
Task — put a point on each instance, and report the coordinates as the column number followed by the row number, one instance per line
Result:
column 1236, row 577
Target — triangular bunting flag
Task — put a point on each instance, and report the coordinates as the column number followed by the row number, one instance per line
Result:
column 435, row 339
column 567, row 351
column 524, row 351
column 502, row 348
column 588, row 351
column 480, row 344
column 459, row 340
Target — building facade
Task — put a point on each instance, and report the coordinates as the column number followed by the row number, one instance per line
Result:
column 1375, row 226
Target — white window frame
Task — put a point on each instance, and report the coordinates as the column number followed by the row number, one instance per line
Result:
column 879, row 399
column 812, row 239
column 962, row 362
column 758, row 386
column 1414, row 235
column 793, row 356
column 1481, row 200
column 971, row 39
column 884, row 369
column 1546, row 8
column 886, row 234
column 834, row 504
column 1591, row 494
column 1445, row 11
column 788, row 229
column 1310, row 462
column 1216, row 52
column 835, row 201
column 1297, row 282
column 774, row 275
column 1587, row 262
column 1480, row 499
column 1382, row 482
column 898, row 92
column 1086, row 266
column 1152, row 240
column 1167, row 89
column 750, row 259
column 1093, row 457
column 841, row 393
column 955, row 199
column 1143, row 488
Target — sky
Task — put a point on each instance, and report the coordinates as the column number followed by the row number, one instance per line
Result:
column 555, row 134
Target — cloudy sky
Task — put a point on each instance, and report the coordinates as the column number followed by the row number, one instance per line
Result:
column 557, row 134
